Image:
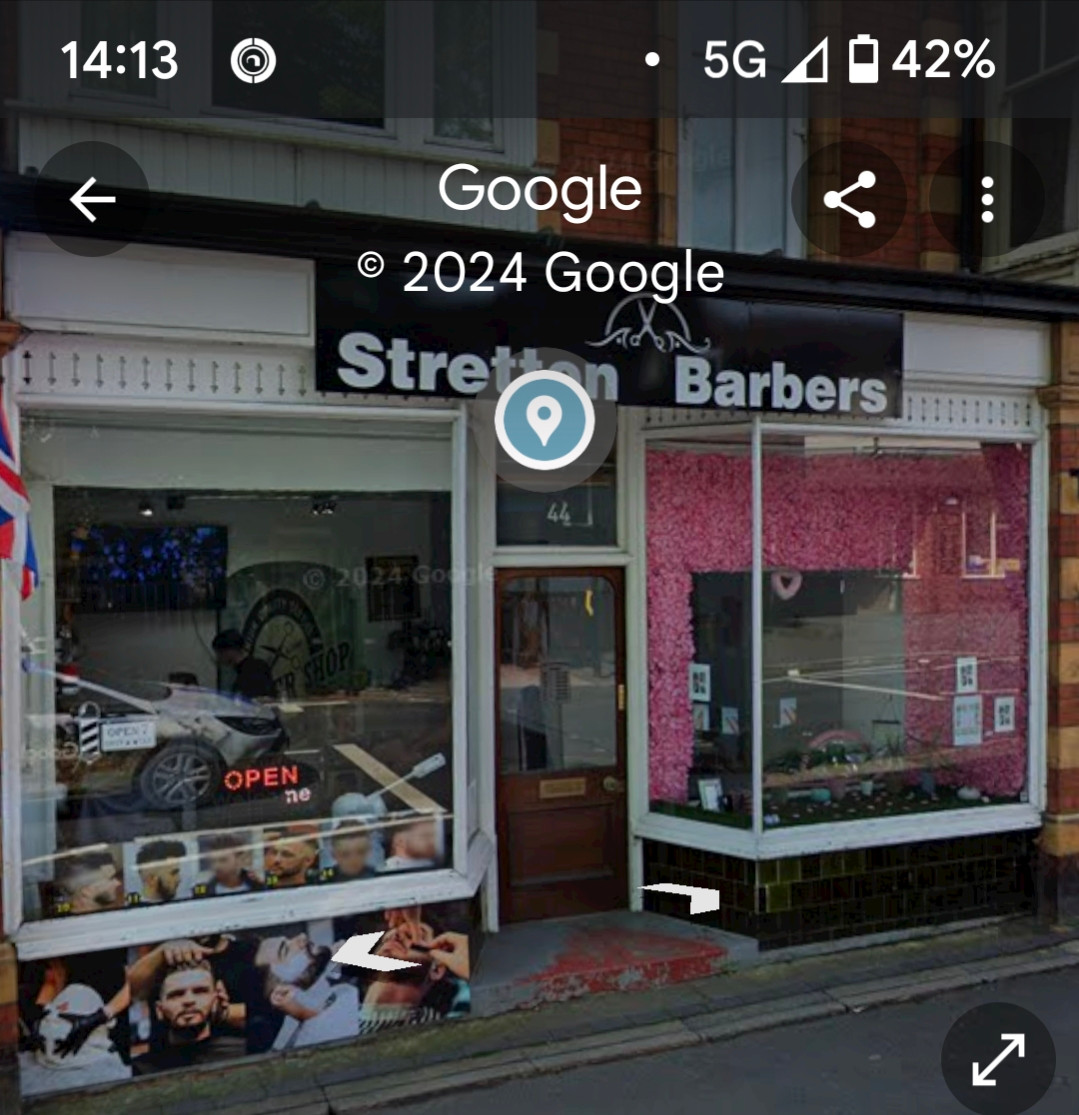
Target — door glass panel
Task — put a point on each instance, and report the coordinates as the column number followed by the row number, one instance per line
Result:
column 557, row 677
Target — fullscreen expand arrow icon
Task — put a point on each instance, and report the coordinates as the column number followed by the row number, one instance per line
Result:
column 702, row 900
column 1016, row 1043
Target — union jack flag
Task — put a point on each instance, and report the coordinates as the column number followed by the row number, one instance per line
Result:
column 16, row 543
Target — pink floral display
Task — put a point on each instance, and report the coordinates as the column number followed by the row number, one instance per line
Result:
column 842, row 512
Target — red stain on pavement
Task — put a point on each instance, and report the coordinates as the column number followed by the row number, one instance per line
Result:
column 597, row 960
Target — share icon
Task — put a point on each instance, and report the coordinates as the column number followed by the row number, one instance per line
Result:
column 833, row 199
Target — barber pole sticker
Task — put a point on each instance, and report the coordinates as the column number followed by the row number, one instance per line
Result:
column 88, row 725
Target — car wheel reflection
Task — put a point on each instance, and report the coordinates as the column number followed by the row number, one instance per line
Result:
column 180, row 775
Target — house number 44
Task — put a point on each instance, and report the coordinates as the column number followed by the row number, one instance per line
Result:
column 558, row 512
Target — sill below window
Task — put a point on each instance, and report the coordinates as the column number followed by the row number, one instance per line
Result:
column 122, row 928
column 807, row 839
column 1053, row 259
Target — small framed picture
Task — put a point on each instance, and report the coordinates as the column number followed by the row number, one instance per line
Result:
column 788, row 712
column 711, row 791
column 700, row 681
column 729, row 720
column 967, row 721
column 702, row 717
column 966, row 675
column 1004, row 714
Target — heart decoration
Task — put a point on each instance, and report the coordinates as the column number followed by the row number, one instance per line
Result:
column 786, row 585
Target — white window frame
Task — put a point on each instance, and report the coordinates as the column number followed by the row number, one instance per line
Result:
column 762, row 844
column 471, row 854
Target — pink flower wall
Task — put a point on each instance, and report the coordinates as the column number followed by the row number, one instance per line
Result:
column 833, row 512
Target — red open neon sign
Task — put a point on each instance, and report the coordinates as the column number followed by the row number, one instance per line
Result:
column 266, row 778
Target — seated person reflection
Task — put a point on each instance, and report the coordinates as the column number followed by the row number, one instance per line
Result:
column 253, row 676
column 228, row 859
column 159, row 870
column 292, row 853
column 188, row 1005
column 351, row 848
column 88, row 883
column 412, row 845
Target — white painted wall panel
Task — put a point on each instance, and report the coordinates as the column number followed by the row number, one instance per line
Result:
column 161, row 292
column 343, row 176
column 977, row 350
column 111, row 457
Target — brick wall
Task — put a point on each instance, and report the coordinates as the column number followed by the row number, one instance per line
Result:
column 587, row 54
column 1059, row 858
column 917, row 139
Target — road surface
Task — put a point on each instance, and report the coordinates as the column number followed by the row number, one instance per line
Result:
column 880, row 1062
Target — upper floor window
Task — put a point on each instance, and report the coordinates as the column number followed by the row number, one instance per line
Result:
column 736, row 170
column 420, row 72
column 115, row 22
column 464, row 78
column 331, row 59
column 1042, row 90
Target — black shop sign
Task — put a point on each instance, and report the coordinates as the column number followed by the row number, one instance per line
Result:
column 700, row 351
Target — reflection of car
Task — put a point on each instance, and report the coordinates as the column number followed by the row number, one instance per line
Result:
column 198, row 734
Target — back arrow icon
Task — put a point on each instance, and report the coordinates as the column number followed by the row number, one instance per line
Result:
column 80, row 199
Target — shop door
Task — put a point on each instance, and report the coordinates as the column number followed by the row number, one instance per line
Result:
column 560, row 716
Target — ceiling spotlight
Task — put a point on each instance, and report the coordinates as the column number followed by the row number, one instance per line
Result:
column 146, row 509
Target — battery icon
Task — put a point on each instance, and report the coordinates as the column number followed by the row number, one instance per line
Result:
column 862, row 61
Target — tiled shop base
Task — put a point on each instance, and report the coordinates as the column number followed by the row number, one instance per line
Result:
column 811, row 898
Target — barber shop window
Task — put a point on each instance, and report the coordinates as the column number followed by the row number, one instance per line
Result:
column 226, row 692
column 893, row 636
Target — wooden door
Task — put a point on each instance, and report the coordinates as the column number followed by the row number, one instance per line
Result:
column 560, row 722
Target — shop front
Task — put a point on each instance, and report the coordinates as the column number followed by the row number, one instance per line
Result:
column 305, row 664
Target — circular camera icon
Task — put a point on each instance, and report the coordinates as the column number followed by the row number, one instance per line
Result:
column 544, row 420
column 253, row 60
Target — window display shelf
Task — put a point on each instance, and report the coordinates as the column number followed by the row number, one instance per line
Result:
column 939, row 759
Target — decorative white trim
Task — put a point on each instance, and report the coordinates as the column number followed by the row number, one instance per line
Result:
column 756, row 645
column 632, row 481
column 557, row 557
column 802, row 840
column 459, row 657
column 484, row 663
column 56, row 370
column 955, row 412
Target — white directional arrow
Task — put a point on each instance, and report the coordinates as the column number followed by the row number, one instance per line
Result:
column 1016, row 1042
column 80, row 199
column 701, row 899
column 357, row 951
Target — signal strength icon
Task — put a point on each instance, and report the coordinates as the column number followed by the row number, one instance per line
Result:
column 800, row 74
